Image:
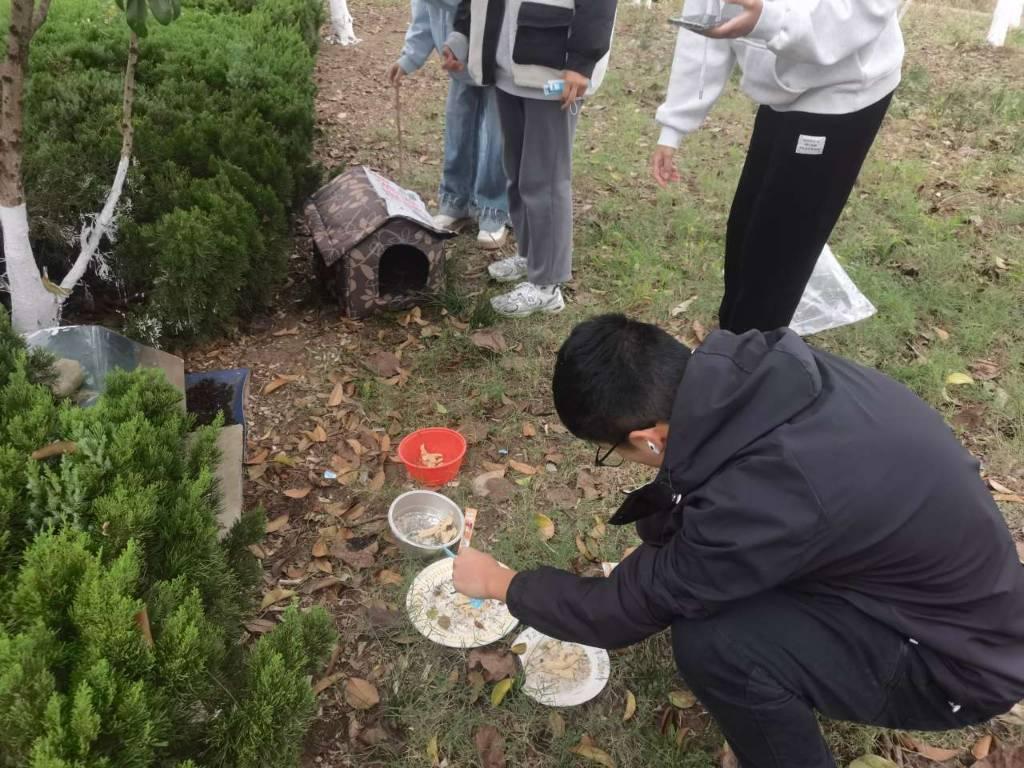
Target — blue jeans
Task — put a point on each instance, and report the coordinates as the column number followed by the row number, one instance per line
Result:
column 473, row 181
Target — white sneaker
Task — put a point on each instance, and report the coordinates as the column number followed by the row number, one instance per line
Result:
column 492, row 241
column 444, row 221
column 507, row 270
column 527, row 298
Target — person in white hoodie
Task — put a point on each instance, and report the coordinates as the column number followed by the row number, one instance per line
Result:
column 823, row 72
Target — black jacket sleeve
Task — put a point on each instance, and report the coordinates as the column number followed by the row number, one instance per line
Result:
column 462, row 16
column 751, row 531
column 590, row 35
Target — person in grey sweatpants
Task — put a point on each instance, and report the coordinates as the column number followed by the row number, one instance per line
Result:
column 520, row 46
column 538, row 136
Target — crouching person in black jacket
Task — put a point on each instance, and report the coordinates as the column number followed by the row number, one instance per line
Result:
column 816, row 538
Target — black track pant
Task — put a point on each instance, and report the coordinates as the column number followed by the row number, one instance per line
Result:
column 764, row 666
column 798, row 174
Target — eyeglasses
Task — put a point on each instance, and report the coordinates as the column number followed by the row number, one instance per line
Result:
column 602, row 456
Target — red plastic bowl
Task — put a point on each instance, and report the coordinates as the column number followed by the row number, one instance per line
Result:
column 449, row 443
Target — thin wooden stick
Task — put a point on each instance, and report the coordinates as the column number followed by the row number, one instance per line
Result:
column 398, row 122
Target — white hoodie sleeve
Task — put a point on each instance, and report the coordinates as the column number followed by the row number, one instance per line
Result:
column 822, row 31
column 685, row 107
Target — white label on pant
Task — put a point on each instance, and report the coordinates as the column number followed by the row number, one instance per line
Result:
column 810, row 145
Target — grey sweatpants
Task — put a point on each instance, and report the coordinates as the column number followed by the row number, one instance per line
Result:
column 538, row 163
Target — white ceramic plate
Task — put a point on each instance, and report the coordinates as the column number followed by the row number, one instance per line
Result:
column 441, row 614
column 553, row 690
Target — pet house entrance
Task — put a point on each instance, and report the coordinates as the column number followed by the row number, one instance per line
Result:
column 402, row 270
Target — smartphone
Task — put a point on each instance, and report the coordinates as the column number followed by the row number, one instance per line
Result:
column 700, row 22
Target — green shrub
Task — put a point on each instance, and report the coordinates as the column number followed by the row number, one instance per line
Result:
column 223, row 129
column 125, row 527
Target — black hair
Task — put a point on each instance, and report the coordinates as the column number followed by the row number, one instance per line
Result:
column 614, row 375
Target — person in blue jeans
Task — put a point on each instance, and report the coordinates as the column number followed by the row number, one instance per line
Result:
column 473, row 181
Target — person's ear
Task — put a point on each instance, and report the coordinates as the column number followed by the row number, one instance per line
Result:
column 651, row 440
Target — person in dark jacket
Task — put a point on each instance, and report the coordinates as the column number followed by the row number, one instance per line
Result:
column 816, row 538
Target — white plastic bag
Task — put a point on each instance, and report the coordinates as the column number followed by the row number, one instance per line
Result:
column 830, row 300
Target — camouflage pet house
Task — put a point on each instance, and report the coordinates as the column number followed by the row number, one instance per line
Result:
column 376, row 244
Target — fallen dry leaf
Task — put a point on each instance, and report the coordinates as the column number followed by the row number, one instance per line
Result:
column 383, row 363
column 361, row 694
column 320, row 548
column 518, row 649
column 298, row 493
column 545, row 526
column 587, row 750
column 432, row 753
column 959, row 379
column 1012, row 498
column 529, row 430
column 318, row 434
column 500, row 690
column 727, row 758
column 324, row 683
column 476, row 685
column 982, row 747
column 285, row 459
column 493, row 341
column 1003, row 758
column 587, row 483
column 630, row 706
column 682, row 306
column 337, row 396
column 557, row 725
column 584, row 550
column 941, row 333
column 293, row 331
column 682, row 699
column 985, row 370
column 320, row 584
column 322, row 564
column 276, row 595
column 389, row 577
column 258, row 458
column 353, row 558
column 525, row 469
column 496, row 663
column 937, row 754
column 998, row 487
column 490, row 747
column 59, row 448
column 481, row 482
column 561, row 496
column 377, row 482
column 383, row 617
column 277, row 524
column 278, row 382
column 260, row 626
column 865, row 761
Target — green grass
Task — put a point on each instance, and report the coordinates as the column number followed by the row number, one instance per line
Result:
column 932, row 234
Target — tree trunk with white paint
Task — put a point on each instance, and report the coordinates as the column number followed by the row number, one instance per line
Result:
column 35, row 301
column 1007, row 16
column 341, row 23
column 32, row 306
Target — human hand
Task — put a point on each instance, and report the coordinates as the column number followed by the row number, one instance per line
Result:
column 575, row 86
column 395, row 74
column 741, row 25
column 449, row 63
column 477, row 574
column 663, row 166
